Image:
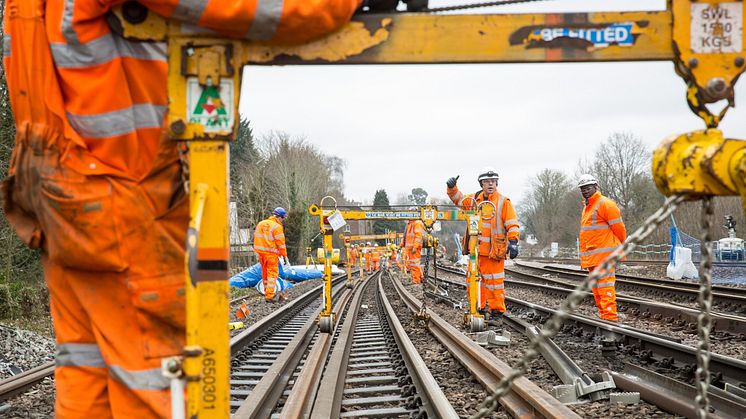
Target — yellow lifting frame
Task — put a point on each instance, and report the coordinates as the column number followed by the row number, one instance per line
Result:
column 425, row 38
column 347, row 238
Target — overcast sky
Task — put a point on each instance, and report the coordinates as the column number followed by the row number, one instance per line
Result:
column 404, row 126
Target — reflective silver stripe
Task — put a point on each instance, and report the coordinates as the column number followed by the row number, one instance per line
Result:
column 189, row 10
column 514, row 230
column 499, row 275
column 595, row 210
column 601, row 250
column 456, row 198
column 282, row 246
column 511, row 221
column 264, row 236
column 140, row 380
column 266, row 20
column 280, row 236
column 486, row 225
column 267, row 249
column 615, row 221
column 494, row 286
column 104, row 49
column 484, row 239
column 487, row 276
column 67, row 23
column 595, row 227
column 79, row 355
column 6, row 45
column 604, row 284
column 498, row 219
column 118, row 122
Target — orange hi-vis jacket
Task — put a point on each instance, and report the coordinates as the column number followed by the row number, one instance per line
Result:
column 601, row 230
column 110, row 93
column 495, row 230
column 413, row 237
column 353, row 256
column 269, row 237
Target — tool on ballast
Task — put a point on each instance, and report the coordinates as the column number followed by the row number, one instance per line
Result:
column 235, row 325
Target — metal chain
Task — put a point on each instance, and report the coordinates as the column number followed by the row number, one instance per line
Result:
column 183, row 149
column 704, row 321
column 476, row 5
column 569, row 305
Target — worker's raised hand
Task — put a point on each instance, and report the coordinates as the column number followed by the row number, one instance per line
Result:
column 452, row 181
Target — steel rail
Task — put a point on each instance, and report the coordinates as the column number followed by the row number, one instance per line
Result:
column 434, row 401
column 301, row 398
column 634, row 262
column 19, row 383
column 690, row 289
column 263, row 398
column 674, row 396
column 646, row 307
column 524, row 400
column 328, row 402
column 664, row 351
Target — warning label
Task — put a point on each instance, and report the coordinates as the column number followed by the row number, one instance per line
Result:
column 210, row 106
column 716, row 28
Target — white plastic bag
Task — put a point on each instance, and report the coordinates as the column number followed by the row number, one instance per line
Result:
column 682, row 266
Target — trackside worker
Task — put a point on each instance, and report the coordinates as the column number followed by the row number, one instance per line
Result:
column 393, row 257
column 601, row 232
column 413, row 247
column 269, row 245
column 95, row 183
column 376, row 260
column 498, row 238
column 368, row 257
column 353, row 255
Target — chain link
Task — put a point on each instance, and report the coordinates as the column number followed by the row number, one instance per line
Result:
column 704, row 321
column 476, row 5
column 569, row 305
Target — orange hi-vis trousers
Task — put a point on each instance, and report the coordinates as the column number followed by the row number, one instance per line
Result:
column 414, row 266
column 113, row 257
column 368, row 262
column 604, row 293
column 492, row 284
column 270, row 271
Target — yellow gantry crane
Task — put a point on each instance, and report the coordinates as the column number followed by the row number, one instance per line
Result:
column 704, row 40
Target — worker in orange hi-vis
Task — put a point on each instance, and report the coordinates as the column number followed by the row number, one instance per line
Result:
column 368, row 255
column 413, row 237
column 498, row 237
column 376, row 260
column 602, row 231
column 96, row 184
column 269, row 245
column 394, row 257
column 353, row 255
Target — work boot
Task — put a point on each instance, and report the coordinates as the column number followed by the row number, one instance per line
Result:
column 496, row 316
column 283, row 296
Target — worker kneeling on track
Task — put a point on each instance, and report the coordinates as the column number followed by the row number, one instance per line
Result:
column 498, row 237
column 269, row 245
column 601, row 232
column 96, row 184
column 413, row 247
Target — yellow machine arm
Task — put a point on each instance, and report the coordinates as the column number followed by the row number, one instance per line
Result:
column 704, row 40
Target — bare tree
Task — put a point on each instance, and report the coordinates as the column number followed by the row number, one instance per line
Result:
column 544, row 212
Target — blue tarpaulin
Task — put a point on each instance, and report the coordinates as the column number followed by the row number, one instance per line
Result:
column 252, row 276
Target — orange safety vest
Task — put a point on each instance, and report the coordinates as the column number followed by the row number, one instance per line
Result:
column 376, row 257
column 495, row 233
column 269, row 237
column 601, row 230
column 108, row 94
column 413, row 236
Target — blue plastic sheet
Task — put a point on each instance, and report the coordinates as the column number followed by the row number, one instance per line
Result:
column 253, row 276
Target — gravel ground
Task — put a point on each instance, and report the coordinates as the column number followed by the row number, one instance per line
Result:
column 585, row 352
column 21, row 350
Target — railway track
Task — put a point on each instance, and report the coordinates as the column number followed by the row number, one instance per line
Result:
column 574, row 261
column 660, row 352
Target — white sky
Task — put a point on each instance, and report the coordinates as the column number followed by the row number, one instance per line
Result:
column 404, row 126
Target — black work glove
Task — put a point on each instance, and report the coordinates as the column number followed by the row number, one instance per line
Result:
column 452, row 181
column 513, row 248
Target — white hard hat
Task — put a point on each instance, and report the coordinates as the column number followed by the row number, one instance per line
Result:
column 488, row 173
column 587, row 179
